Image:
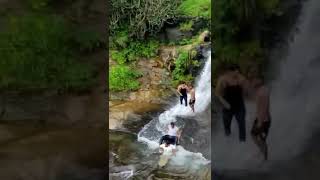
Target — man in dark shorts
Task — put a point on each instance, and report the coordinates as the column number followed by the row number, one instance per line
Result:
column 230, row 90
column 173, row 134
column 192, row 97
column 261, row 125
column 182, row 90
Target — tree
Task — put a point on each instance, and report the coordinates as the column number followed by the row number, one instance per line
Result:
column 142, row 16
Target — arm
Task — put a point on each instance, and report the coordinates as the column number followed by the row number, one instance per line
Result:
column 219, row 91
column 262, row 106
column 245, row 84
column 178, row 90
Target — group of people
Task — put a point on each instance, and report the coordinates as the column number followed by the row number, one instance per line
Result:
column 169, row 141
column 231, row 89
column 183, row 90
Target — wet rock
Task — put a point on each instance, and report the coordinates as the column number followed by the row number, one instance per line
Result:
column 129, row 115
column 175, row 34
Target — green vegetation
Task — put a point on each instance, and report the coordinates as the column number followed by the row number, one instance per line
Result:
column 196, row 8
column 238, row 30
column 86, row 40
column 186, row 26
column 37, row 52
column 38, row 4
column 123, row 78
column 135, row 50
column 134, row 26
column 141, row 17
column 183, row 66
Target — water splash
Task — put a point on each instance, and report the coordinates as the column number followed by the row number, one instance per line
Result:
column 152, row 132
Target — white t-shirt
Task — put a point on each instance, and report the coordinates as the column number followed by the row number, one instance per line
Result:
column 172, row 131
column 167, row 150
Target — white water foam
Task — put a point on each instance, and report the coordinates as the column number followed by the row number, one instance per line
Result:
column 152, row 132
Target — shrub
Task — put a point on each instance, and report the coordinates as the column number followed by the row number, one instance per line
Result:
column 36, row 53
column 182, row 70
column 87, row 40
column 141, row 17
column 135, row 50
column 123, row 78
column 186, row 26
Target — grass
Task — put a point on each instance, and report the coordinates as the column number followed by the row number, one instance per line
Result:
column 123, row 78
column 196, row 8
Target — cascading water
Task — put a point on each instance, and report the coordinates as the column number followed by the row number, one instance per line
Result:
column 152, row 132
column 295, row 103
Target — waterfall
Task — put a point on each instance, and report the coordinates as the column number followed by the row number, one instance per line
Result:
column 152, row 132
column 294, row 102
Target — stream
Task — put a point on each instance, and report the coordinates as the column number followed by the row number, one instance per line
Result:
column 135, row 155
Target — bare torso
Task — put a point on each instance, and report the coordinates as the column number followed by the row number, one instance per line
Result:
column 192, row 94
column 263, row 104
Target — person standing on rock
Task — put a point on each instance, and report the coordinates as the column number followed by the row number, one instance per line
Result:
column 192, row 100
column 182, row 91
column 230, row 90
column 261, row 125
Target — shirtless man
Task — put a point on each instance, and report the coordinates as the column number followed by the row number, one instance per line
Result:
column 262, row 122
column 230, row 90
column 182, row 91
column 192, row 100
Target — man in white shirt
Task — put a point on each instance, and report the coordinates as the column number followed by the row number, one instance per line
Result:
column 173, row 134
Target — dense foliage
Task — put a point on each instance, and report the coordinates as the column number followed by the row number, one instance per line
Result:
column 134, row 26
column 141, row 17
column 184, row 65
column 196, row 8
column 125, row 50
column 36, row 53
column 238, row 25
column 122, row 78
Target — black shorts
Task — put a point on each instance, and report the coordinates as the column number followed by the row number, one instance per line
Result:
column 192, row 102
column 169, row 139
column 263, row 130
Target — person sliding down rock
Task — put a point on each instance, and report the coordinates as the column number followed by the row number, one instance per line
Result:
column 172, row 134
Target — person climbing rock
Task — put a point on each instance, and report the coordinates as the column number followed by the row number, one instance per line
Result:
column 262, row 122
column 231, row 87
column 172, row 134
column 182, row 91
column 192, row 100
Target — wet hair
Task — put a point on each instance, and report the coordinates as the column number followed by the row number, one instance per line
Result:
column 172, row 123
